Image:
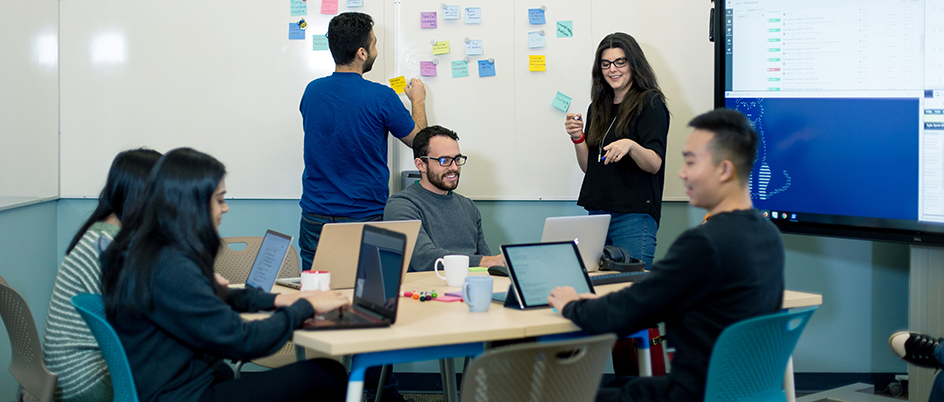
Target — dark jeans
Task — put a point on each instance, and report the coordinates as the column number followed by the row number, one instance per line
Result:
column 309, row 233
column 319, row 379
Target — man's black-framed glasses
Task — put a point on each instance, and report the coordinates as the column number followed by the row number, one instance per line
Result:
column 619, row 63
column 447, row 160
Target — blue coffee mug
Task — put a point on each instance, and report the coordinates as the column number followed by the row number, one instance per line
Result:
column 477, row 293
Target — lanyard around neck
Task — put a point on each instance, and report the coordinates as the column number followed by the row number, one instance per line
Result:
column 600, row 150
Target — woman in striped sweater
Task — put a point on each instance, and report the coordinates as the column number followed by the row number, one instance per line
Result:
column 69, row 348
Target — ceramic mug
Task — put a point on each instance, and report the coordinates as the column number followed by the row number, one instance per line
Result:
column 477, row 293
column 316, row 280
column 456, row 268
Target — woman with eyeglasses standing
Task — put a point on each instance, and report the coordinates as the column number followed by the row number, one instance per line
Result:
column 622, row 149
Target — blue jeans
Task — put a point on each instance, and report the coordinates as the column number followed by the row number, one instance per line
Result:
column 636, row 233
column 937, row 389
column 309, row 233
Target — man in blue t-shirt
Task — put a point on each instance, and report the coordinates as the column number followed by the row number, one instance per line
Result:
column 346, row 120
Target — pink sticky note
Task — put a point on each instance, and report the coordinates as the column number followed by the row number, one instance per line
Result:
column 329, row 6
column 448, row 299
column 428, row 20
column 427, row 69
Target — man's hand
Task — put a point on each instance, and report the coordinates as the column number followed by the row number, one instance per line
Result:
column 416, row 91
column 560, row 296
column 492, row 260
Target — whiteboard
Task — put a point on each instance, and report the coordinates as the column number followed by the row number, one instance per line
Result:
column 29, row 102
column 223, row 78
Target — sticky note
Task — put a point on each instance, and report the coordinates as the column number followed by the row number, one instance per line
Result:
column 400, row 82
column 298, row 8
column 355, row 3
column 441, row 47
column 561, row 102
column 536, row 16
column 565, row 29
column 474, row 47
column 535, row 39
column 319, row 42
column 473, row 15
column 295, row 31
column 536, row 62
column 329, row 6
column 451, row 13
column 427, row 69
column 486, row 69
column 428, row 20
column 460, row 69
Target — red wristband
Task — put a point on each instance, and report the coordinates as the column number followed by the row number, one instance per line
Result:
column 583, row 136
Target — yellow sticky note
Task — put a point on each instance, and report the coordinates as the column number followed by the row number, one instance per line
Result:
column 441, row 47
column 537, row 63
column 398, row 84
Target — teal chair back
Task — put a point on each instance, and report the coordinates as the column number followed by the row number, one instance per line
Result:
column 92, row 309
column 750, row 357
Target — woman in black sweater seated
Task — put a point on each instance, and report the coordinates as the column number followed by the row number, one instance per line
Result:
column 177, row 324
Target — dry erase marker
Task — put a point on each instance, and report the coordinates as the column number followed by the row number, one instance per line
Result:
column 577, row 117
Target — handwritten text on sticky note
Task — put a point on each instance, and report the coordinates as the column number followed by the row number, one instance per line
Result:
column 473, row 15
column 561, row 102
column 537, row 62
column 486, row 68
column 535, row 40
column 329, row 6
column 535, row 16
column 441, row 47
column 451, row 13
column 565, row 29
column 460, row 69
column 355, row 3
column 298, row 8
column 319, row 42
column 474, row 47
column 428, row 20
column 398, row 84
column 427, row 69
column 295, row 31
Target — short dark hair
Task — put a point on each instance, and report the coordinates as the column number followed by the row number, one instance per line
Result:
column 348, row 32
column 734, row 140
column 421, row 140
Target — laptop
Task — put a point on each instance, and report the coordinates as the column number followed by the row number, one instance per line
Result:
column 377, row 284
column 265, row 269
column 588, row 231
column 535, row 269
column 338, row 247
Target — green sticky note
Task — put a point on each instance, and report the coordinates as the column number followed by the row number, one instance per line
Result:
column 319, row 42
column 298, row 7
column 460, row 69
column 561, row 102
column 565, row 29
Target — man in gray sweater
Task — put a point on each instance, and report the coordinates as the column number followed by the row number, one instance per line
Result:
column 451, row 223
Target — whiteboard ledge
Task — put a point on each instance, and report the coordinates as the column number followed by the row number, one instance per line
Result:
column 18, row 202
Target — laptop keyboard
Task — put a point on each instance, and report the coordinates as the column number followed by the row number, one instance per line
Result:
column 349, row 316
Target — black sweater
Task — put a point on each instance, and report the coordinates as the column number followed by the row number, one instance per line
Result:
column 175, row 347
column 727, row 270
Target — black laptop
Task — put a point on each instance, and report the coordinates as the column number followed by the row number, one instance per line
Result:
column 376, row 287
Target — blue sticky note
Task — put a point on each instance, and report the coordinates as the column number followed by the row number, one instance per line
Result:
column 319, row 42
column 295, row 31
column 355, row 3
column 535, row 39
column 451, row 13
column 561, row 102
column 536, row 16
column 460, row 69
column 298, row 8
column 474, row 47
column 473, row 15
column 486, row 68
column 565, row 29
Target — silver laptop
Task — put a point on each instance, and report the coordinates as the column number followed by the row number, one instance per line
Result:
column 268, row 261
column 339, row 246
column 588, row 231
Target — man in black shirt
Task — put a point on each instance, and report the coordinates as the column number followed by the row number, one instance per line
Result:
column 727, row 270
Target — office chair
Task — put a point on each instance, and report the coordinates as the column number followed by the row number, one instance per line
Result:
column 235, row 266
column 750, row 357
column 37, row 383
column 563, row 371
column 92, row 309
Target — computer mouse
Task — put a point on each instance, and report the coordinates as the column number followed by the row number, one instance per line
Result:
column 498, row 270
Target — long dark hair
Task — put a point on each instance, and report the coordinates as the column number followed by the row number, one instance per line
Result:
column 176, row 213
column 602, row 94
column 123, row 188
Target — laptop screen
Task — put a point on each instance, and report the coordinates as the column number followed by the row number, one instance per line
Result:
column 377, row 285
column 538, row 268
column 265, row 269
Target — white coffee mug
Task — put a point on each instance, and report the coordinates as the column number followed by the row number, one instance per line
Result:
column 456, row 268
column 316, row 280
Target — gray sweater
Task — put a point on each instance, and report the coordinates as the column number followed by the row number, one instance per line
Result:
column 451, row 225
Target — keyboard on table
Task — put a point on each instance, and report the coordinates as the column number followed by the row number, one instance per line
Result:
column 618, row 277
